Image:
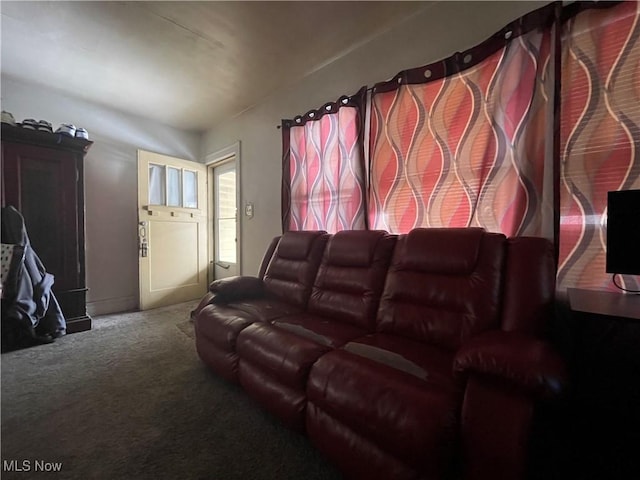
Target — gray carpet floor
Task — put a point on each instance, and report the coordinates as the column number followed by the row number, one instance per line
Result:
column 131, row 399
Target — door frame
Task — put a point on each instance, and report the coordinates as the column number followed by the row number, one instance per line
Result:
column 213, row 160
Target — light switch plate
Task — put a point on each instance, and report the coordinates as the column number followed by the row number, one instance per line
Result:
column 248, row 209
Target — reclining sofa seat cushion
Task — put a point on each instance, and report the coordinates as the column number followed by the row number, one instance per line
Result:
column 508, row 371
column 286, row 286
column 390, row 397
column 275, row 358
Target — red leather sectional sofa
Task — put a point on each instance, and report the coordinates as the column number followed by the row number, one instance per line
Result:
column 401, row 356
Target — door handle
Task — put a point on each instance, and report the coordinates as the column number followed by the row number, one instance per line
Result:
column 226, row 266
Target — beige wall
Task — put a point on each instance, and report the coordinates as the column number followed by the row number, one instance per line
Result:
column 110, row 183
column 431, row 35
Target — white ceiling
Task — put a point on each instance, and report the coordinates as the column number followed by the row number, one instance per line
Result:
column 185, row 64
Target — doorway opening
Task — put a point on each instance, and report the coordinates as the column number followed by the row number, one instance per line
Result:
column 223, row 170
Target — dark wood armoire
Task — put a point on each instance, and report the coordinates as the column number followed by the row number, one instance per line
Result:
column 43, row 177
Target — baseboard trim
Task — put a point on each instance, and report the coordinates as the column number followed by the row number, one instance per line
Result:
column 112, row 305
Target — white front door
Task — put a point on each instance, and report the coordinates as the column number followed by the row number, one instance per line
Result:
column 225, row 220
column 172, row 230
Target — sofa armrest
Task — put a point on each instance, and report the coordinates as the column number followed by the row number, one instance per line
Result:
column 229, row 289
column 528, row 363
column 207, row 299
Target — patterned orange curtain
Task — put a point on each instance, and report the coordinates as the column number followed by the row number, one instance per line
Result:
column 323, row 181
column 468, row 141
column 600, row 134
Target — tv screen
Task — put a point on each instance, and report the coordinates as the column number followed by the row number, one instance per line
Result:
column 623, row 232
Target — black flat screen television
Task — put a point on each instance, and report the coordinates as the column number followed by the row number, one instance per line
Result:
column 623, row 232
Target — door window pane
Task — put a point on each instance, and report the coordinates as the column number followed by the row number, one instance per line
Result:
column 174, row 187
column 156, row 185
column 190, row 189
column 227, row 240
column 226, row 216
column 227, row 195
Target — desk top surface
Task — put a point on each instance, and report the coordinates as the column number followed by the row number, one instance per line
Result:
column 600, row 302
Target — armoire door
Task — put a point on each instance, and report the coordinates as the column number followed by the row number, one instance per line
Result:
column 41, row 184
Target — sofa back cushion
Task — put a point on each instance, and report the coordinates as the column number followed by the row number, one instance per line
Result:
column 293, row 267
column 529, row 291
column 268, row 255
column 351, row 277
column 443, row 285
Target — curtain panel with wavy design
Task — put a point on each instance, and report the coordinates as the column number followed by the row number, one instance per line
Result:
column 323, row 181
column 523, row 134
column 468, row 141
column 600, row 133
